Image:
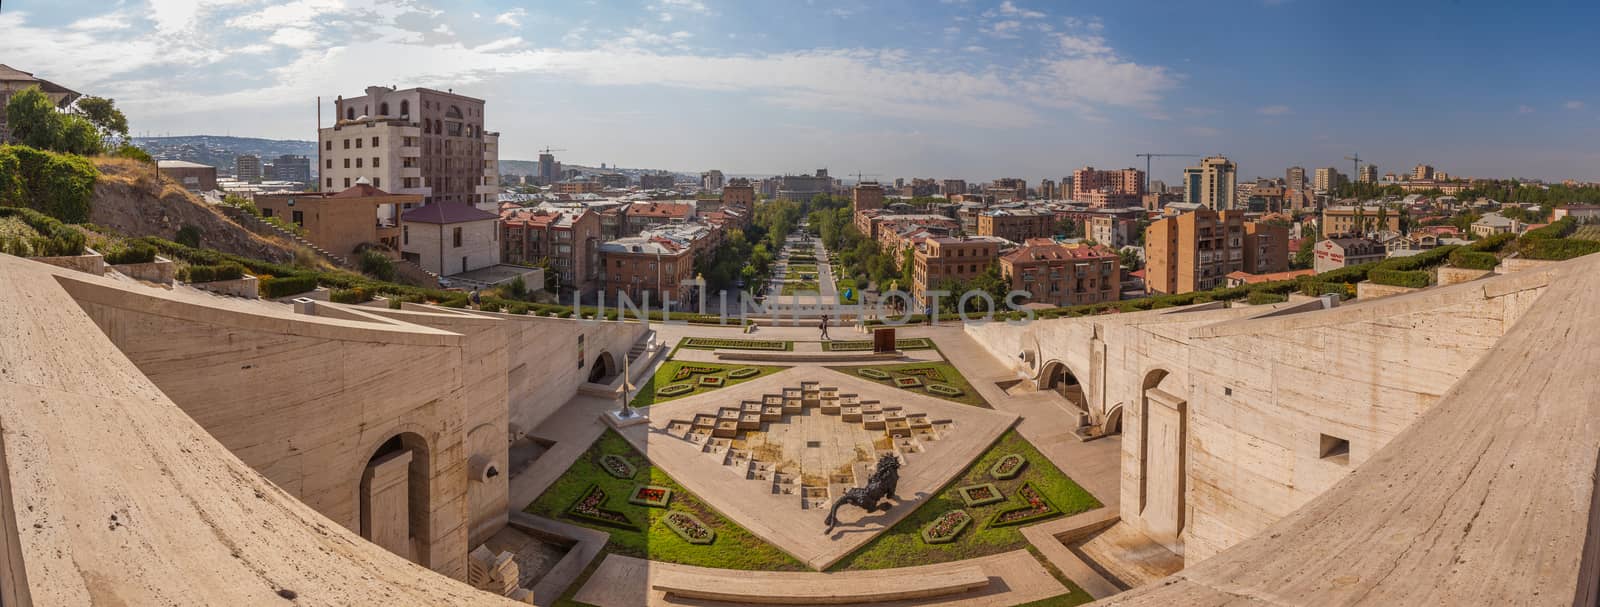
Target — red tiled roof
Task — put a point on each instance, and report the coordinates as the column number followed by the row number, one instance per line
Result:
column 1251, row 279
column 446, row 212
column 1044, row 252
column 360, row 190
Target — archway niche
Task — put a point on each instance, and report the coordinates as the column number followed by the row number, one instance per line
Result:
column 603, row 369
column 1163, row 459
column 394, row 494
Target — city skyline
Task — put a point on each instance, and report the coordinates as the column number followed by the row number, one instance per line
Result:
column 959, row 88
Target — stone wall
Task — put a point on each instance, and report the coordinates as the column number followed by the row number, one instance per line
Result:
column 160, row 271
column 1367, row 289
column 1249, row 396
column 90, row 262
column 1451, row 275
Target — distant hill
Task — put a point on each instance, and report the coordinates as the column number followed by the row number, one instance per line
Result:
column 220, row 151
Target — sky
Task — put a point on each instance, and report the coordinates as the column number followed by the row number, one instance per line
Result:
column 973, row 89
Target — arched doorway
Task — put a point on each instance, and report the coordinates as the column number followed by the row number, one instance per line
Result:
column 395, row 507
column 1163, row 459
column 1113, row 423
column 1056, row 377
column 603, row 369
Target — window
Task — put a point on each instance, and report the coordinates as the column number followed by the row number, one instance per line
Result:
column 347, row 182
column 1335, row 449
column 457, row 237
column 347, row 144
column 266, row 211
column 299, row 217
column 330, row 163
column 405, row 234
column 383, row 108
column 330, row 144
column 347, row 163
column 358, row 163
column 463, row 262
column 330, row 182
column 405, row 107
column 377, row 183
column 374, row 141
column 350, row 113
column 358, row 143
column 374, row 162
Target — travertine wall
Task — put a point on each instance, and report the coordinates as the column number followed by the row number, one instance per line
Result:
column 1260, row 391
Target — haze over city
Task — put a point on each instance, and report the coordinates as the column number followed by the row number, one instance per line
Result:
column 964, row 88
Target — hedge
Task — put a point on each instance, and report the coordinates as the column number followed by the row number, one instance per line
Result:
column 1415, row 279
column 212, row 273
column 58, row 185
column 284, row 286
column 137, row 252
column 350, row 296
column 1557, row 249
column 54, row 239
column 1473, row 260
column 1493, row 244
column 1261, row 298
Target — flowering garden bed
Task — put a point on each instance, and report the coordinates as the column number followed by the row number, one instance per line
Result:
column 711, row 381
column 944, row 390
column 675, row 389
column 650, row 495
column 743, row 372
column 928, row 373
column 980, row 495
column 1038, row 508
column 1008, row 467
column 688, row 371
column 591, row 508
column 714, row 343
column 944, row 529
column 616, row 466
column 860, row 345
column 689, row 528
column 907, row 382
column 871, row 373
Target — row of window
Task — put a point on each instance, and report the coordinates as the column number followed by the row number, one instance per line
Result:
column 375, row 162
column 377, row 182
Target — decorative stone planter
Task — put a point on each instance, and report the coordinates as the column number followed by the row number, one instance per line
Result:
column 242, row 287
column 944, row 390
column 591, row 508
column 689, row 528
column 1037, row 508
column 90, row 262
column 944, row 529
column 617, row 466
column 650, row 495
column 1008, row 467
column 872, row 373
column 161, row 271
column 743, row 372
column 711, row 381
column 675, row 389
column 688, row 371
column 713, row 343
column 907, row 382
column 981, row 495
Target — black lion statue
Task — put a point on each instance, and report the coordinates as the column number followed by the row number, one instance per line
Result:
column 881, row 485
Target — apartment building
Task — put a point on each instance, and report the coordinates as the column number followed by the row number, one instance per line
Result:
column 1016, row 225
column 1212, row 184
column 1112, row 231
column 1295, row 178
column 1108, row 189
column 1351, row 219
column 1266, row 247
column 1422, row 172
column 641, row 216
column 1335, row 253
column 1063, row 274
column 802, row 188
column 247, row 168
column 1194, row 251
column 567, row 235
column 866, row 195
column 712, row 181
column 1047, row 189
column 936, row 260
column 414, row 141
column 657, row 181
column 1368, row 173
column 580, row 185
column 656, row 263
column 952, row 187
column 342, row 221
column 289, row 167
column 738, row 192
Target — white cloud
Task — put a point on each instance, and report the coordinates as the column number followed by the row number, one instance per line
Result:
column 294, row 37
column 973, row 48
column 1273, row 110
column 842, row 13
column 1525, row 109
column 101, row 23
column 1573, row 105
column 1011, row 9
column 1003, row 29
column 512, row 17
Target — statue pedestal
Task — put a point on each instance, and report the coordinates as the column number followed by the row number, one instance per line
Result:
column 618, row 422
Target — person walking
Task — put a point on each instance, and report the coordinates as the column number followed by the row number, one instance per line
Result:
column 824, row 327
column 477, row 302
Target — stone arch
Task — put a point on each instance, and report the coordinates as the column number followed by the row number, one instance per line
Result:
column 1113, row 423
column 1057, row 377
column 394, row 497
column 405, row 108
column 603, row 369
column 383, row 109
column 1163, row 459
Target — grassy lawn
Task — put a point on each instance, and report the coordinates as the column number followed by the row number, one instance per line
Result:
column 902, row 544
column 952, row 377
column 847, row 283
column 865, row 345
column 810, row 268
column 664, row 376
column 734, row 548
column 1591, row 232
column 791, row 288
column 726, row 343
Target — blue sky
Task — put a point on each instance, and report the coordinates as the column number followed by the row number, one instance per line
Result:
column 937, row 88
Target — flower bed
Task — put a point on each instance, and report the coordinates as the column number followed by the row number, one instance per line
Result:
column 674, row 390
column 944, row 529
column 944, row 390
column 928, row 373
column 743, row 372
column 871, row 373
column 591, row 508
column 861, row 345
column 688, row 371
column 981, row 495
column 1038, row 508
column 689, row 528
column 713, row 343
column 907, row 382
column 616, row 466
column 650, row 495
column 711, row 381
column 1008, row 467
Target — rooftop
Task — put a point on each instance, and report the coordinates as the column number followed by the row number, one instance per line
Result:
column 446, row 213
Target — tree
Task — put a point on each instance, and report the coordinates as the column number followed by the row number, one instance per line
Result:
column 1068, row 228
column 1305, row 257
column 106, row 118
column 33, row 120
column 1129, row 259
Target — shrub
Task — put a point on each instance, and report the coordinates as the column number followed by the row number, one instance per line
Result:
column 188, row 236
column 377, row 265
column 1420, row 261
column 1473, row 259
column 350, row 296
column 1559, row 229
column 284, row 286
column 58, row 185
column 517, row 308
column 1557, row 249
column 213, row 273
column 132, row 152
column 1262, row 298
column 1415, row 279
column 53, row 239
column 1493, row 244
column 1317, row 289
column 518, row 287
column 136, row 252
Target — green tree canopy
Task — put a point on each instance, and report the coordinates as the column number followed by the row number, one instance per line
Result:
column 34, row 122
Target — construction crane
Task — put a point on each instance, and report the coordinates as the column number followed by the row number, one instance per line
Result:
column 547, row 149
column 1355, row 168
column 1147, row 158
column 859, row 175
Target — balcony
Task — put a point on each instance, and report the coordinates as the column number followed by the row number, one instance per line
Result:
column 411, row 172
column 410, row 151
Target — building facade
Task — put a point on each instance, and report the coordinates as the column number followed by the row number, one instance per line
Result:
column 193, row 176
column 711, row 181
column 1327, row 179
column 1295, row 178
column 1422, row 172
column 1063, row 274
column 1364, row 219
column 1008, row 188
column 449, row 238
column 1334, row 253
column 1112, row 231
column 1194, row 251
column 566, row 236
column 1212, row 184
column 936, row 260
column 413, row 141
column 802, row 188
column 340, row 222
column 866, row 195
column 289, row 167
column 247, row 168
column 1016, row 225
column 1368, row 173
column 1108, row 189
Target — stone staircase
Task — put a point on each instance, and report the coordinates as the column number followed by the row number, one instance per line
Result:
column 261, row 226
